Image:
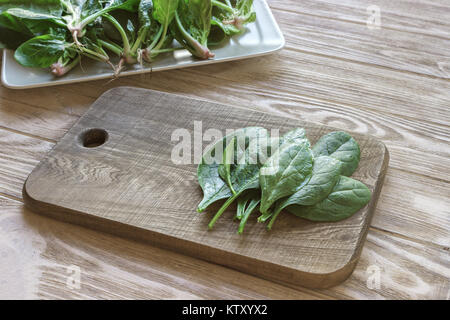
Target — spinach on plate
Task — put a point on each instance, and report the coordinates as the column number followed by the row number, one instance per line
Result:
column 136, row 31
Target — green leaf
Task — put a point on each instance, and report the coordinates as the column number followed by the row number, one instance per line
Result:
column 192, row 26
column 36, row 7
column 232, row 19
column 341, row 146
column 164, row 11
column 347, row 197
column 30, row 17
column 41, row 51
column 228, row 160
column 10, row 39
column 325, row 174
column 245, row 174
column 145, row 12
column 216, row 36
column 297, row 135
column 213, row 186
column 85, row 12
column 287, row 169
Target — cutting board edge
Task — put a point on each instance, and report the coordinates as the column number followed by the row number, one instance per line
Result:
column 264, row 269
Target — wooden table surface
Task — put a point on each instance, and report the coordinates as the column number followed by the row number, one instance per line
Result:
column 391, row 82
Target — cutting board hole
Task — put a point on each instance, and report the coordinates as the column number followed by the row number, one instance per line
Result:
column 93, row 138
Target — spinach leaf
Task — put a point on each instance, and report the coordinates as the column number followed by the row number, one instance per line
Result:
column 10, row 39
column 192, row 25
column 216, row 36
column 297, row 135
column 245, row 174
column 81, row 13
column 284, row 172
column 160, row 37
column 31, row 17
column 341, row 146
column 325, row 174
column 347, row 197
column 41, row 51
column 214, row 188
column 242, row 204
column 228, row 160
column 232, row 19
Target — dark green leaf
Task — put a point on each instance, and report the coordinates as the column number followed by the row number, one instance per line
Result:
column 325, row 174
column 164, row 11
column 214, row 188
column 347, row 197
column 192, row 25
column 341, row 146
column 10, row 39
column 287, row 169
column 41, row 51
column 232, row 17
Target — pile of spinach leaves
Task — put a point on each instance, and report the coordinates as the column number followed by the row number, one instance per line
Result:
column 270, row 174
column 55, row 34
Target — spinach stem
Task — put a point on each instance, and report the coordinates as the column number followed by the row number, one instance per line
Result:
column 155, row 41
column 222, row 6
column 162, row 39
column 166, row 50
column 222, row 209
column 274, row 217
column 264, row 216
column 137, row 43
column 94, row 16
column 111, row 46
column 183, row 31
column 251, row 207
column 72, row 64
column 123, row 35
column 91, row 54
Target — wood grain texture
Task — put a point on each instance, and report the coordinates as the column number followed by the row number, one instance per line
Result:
column 130, row 186
column 116, row 268
column 384, row 47
column 416, row 17
column 398, row 103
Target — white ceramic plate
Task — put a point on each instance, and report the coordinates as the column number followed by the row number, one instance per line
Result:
column 261, row 37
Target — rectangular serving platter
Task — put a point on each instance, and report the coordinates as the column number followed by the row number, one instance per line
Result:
column 261, row 38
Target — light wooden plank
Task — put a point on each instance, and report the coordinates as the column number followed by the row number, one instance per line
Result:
column 20, row 154
column 42, row 249
column 422, row 17
column 34, row 120
column 112, row 268
column 408, row 270
column 293, row 74
column 389, row 48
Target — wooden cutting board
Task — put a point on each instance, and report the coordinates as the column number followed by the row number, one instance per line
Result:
column 113, row 172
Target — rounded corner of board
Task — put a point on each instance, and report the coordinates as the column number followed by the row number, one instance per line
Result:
column 334, row 278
